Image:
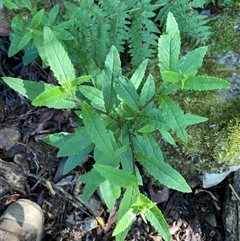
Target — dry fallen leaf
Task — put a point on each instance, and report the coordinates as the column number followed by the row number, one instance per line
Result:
column 101, row 222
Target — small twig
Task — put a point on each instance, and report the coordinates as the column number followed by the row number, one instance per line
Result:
column 38, row 180
column 234, row 192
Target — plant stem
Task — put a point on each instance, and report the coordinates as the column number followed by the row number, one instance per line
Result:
column 132, row 151
column 135, row 9
column 110, row 116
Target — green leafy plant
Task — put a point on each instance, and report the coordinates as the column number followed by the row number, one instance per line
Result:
column 119, row 119
column 28, row 29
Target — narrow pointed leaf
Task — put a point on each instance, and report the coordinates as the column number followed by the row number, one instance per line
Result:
column 202, row 83
column 139, row 73
column 37, row 18
column 81, row 80
column 152, row 147
column 69, row 143
column 92, row 180
column 116, row 176
column 100, row 136
column 169, row 46
column 114, row 160
column 25, row 39
column 192, row 61
column 147, row 92
column 27, row 88
column 111, row 71
column 167, row 136
column 156, row 219
column 108, row 192
column 53, row 14
column 146, row 129
column 126, row 90
column 94, row 95
column 58, row 59
column 163, row 172
column 124, row 223
column 194, row 119
column 38, row 41
column 76, row 159
column 170, row 76
column 128, row 199
column 50, row 97
column 173, row 115
column 148, row 145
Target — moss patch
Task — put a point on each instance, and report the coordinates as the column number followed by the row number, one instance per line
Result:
column 225, row 33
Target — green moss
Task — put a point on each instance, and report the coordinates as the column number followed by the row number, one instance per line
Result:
column 216, row 69
column 225, row 35
column 213, row 146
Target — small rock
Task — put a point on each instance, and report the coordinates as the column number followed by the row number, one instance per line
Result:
column 8, row 137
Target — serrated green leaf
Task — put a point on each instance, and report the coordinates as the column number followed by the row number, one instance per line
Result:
column 63, row 104
column 169, row 46
column 100, row 136
column 37, row 18
column 163, row 172
column 127, row 201
column 173, row 115
column 57, row 57
column 111, row 71
column 53, row 14
column 27, row 88
column 156, row 219
column 139, row 73
column 155, row 118
column 143, row 203
column 80, row 80
column 167, row 136
column 69, row 143
column 124, row 223
column 192, row 61
column 201, row 83
column 61, row 33
column 170, row 76
column 126, row 90
column 124, row 139
column 152, row 147
column 38, row 41
column 116, row 176
column 94, row 95
column 50, row 97
column 89, row 67
column 77, row 159
column 148, row 145
column 108, row 193
column 147, row 92
column 114, row 160
column 92, row 180
column 193, row 119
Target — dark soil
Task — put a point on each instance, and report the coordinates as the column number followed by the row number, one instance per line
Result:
column 195, row 216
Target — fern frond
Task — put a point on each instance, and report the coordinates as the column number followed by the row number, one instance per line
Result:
column 143, row 33
column 189, row 20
